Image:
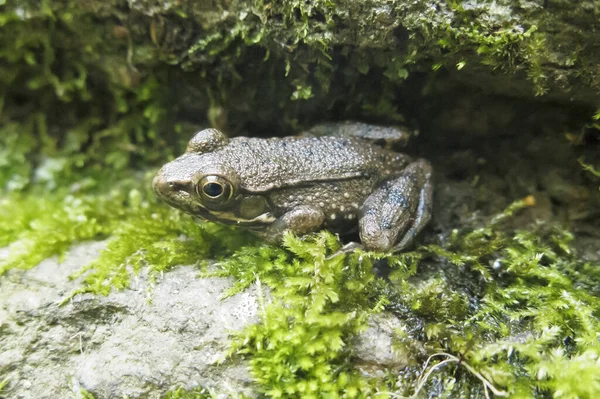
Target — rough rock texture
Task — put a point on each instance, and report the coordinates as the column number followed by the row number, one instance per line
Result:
column 489, row 36
column 137, row 342
column 374, row 346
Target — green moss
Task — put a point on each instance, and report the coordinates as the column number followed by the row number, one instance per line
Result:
column 104, row 90
column 456, row 37
column 140, row 230
column 589, row 168
column 55, row 61
column 302, row 345
column 592, row 169
column 523, row 325
column 34, row 228
column 86, row 394
column 530, row 328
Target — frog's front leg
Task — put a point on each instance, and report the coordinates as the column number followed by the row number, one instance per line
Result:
column 300, row 220
column 398, row 210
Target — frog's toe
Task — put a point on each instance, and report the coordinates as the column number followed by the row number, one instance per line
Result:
column 378, row 243
column 374, row 238
column 346, row 249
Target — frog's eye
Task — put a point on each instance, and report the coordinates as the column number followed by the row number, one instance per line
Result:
column 214, row 189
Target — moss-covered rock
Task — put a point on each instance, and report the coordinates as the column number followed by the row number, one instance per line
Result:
column 262, row 65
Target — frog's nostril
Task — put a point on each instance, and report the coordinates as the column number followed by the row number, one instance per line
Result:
column 164, row 187
column 177, row 186
column 161, row 186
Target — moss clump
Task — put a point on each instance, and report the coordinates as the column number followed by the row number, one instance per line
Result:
column 72, row 111
column 589, row 168
column 36, row 228
column 156, row 238
column 198, row 393
column 320, row 301
column 530, row 329
column 180, row 393
column 96, row 85
column 457, row 36
column 140, row 232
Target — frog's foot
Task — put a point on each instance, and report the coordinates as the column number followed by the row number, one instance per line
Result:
column 301, row 220
column 346, row 249
column 390, row 135
column 398, row 210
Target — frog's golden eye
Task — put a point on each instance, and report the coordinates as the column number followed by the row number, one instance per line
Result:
column 214, row 189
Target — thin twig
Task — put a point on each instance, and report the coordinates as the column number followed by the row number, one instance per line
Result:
column 485, row 381
column 485, row 392
column 432, row 356
column 451, row 359
column 431, row 370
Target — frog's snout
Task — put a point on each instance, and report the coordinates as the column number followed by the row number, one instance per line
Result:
column 161, row 186
column 158, row 185
column 166, row 187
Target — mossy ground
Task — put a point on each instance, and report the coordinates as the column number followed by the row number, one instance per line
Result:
column 510, row 311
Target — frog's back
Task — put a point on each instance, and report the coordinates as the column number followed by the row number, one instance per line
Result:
column 264, row 164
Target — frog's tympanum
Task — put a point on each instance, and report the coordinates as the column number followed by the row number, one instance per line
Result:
column 334, row 176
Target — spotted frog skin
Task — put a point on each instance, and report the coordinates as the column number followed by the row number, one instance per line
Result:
column 334, row 176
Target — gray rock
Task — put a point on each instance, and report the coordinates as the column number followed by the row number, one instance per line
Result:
column 374, row 346
column 138, row 342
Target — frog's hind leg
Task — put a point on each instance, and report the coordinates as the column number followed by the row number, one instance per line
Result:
column 398, row 210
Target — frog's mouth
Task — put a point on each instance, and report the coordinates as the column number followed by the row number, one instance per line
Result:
column 228, row 218
column 247, row 211
column 231, row 218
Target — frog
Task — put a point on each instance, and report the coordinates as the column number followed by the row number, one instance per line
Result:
column 340, row 176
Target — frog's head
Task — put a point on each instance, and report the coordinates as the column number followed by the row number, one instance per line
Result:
column 202, row 182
